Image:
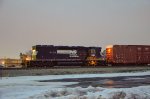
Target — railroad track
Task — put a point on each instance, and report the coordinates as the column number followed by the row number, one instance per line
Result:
column 56, row 67
column 70, row 67
column 57, row 70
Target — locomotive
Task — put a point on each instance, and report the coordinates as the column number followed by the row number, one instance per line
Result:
column 50, row 55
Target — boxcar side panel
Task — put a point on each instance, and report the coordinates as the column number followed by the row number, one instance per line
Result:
column 143, row 54
column 131, row 54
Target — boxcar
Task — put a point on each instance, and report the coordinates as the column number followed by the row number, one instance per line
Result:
column 49, row 55
column 128, row 54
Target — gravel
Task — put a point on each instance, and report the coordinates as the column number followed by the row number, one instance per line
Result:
column 63, row 71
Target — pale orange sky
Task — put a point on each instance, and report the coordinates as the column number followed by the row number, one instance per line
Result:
column 24, row 23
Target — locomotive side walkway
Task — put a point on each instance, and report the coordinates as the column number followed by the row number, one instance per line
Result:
column 71, row 70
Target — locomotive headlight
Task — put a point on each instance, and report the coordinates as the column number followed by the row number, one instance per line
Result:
column 33, row 50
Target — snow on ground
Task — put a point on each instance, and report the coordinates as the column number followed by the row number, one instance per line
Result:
column 28, row 87
column 142, row 92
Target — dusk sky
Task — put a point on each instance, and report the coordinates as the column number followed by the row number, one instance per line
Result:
column 24, row 23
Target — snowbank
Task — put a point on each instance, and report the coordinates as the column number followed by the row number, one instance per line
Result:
column 142, row 92
column 28, row 87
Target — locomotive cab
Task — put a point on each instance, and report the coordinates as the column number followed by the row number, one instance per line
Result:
column 94, row 56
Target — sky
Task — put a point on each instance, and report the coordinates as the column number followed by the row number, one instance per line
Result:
column 24, row 23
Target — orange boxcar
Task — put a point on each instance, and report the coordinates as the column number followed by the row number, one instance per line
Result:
column 128, row 54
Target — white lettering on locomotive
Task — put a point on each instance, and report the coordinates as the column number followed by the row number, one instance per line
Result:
column 72, row 53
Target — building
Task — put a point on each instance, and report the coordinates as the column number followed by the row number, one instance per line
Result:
column 8, row 62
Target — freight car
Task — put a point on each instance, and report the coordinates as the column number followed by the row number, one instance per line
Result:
column 128, row 55
column 50, row 55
